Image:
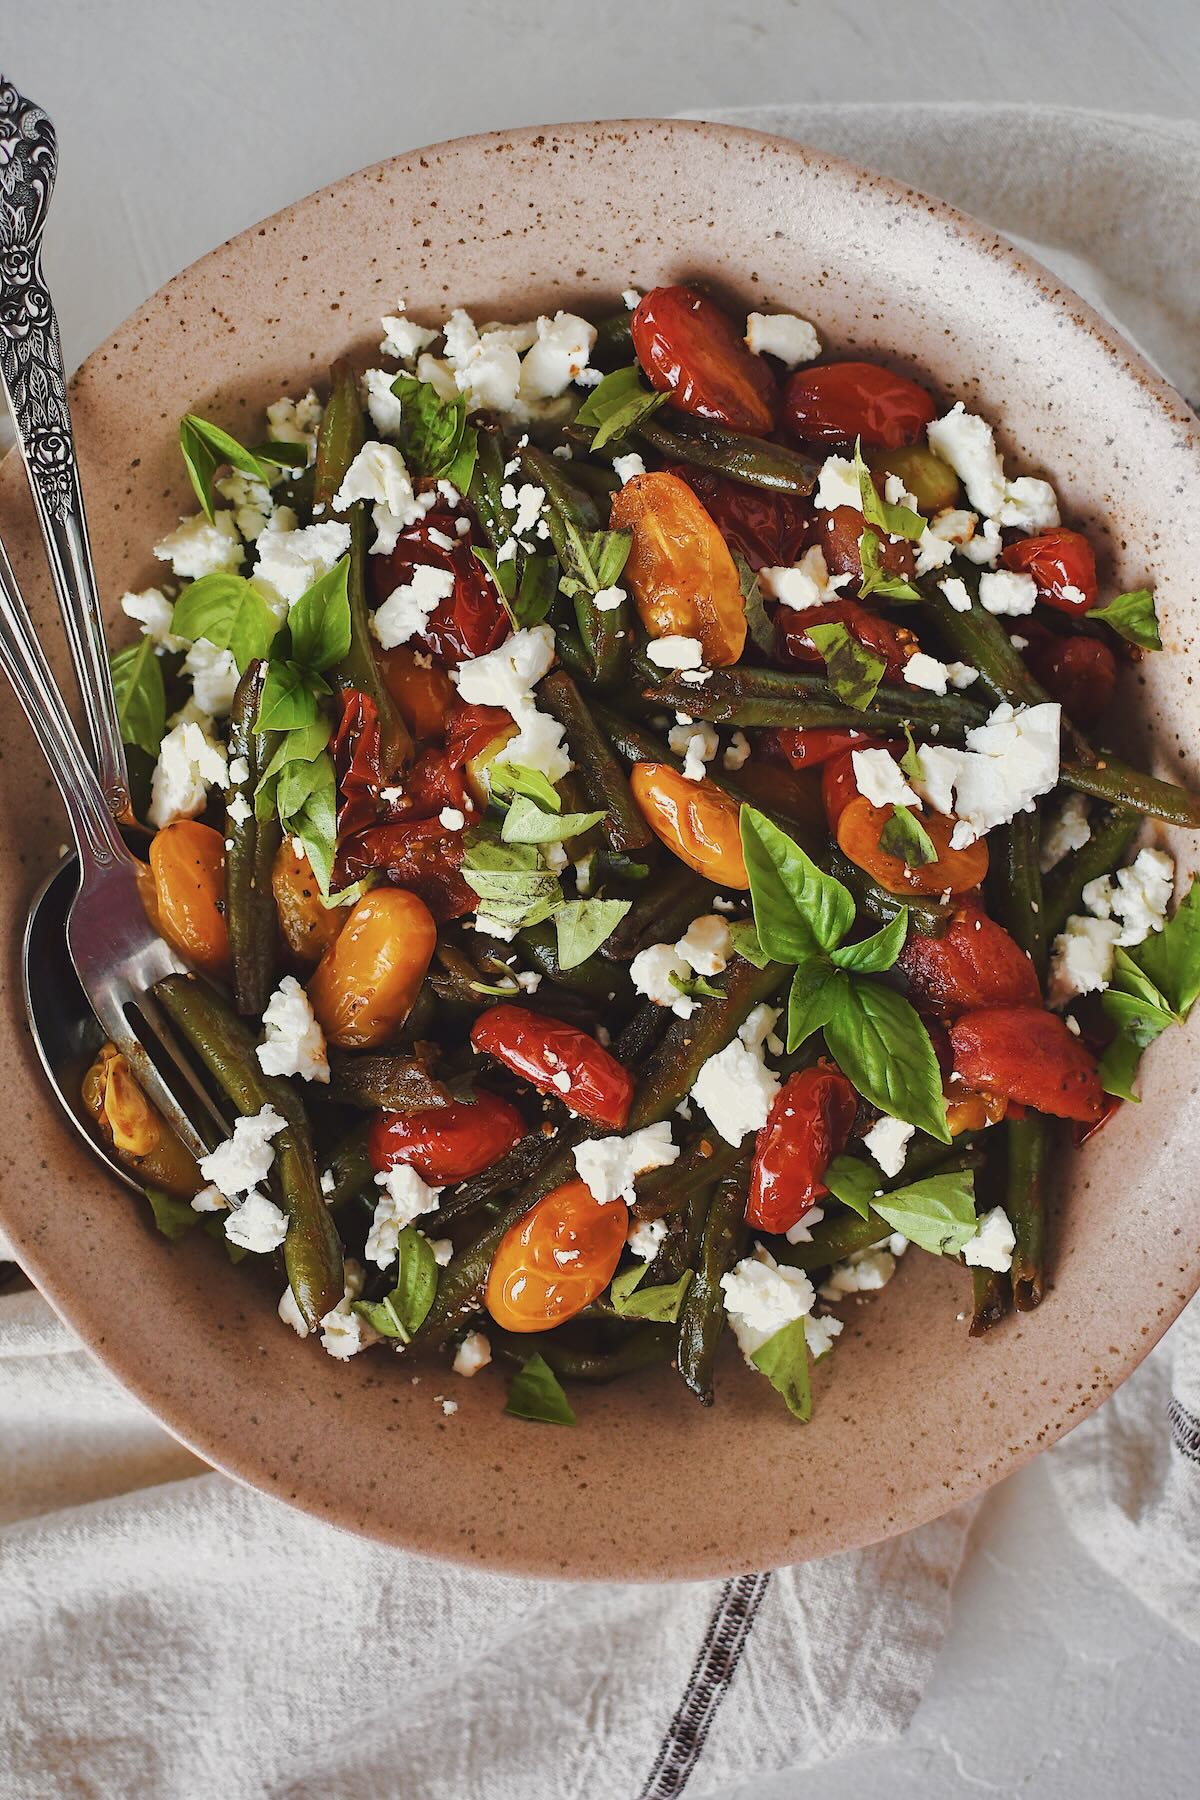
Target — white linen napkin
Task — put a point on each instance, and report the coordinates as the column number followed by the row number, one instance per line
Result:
column 166, row 1632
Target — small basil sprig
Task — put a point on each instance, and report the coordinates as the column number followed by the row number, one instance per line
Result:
column 875, row 579
column 904, row 836
column 659, row 1304
column 434, row 437
column 1152, row 986
column 402, row 1312
column 783, row 1359
column 617, row 404
column 583, row 925
column 757, row 623
column 140, row 695
column 1133, row 617
column 892, row 520
column 205, row 447
column 526, row 823
column 535, row 1392
column 228, row 612
column 937, row 1212
column 854, row 672
column 515, row 778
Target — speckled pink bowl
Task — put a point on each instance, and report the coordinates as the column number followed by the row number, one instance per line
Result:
column 910, row 1416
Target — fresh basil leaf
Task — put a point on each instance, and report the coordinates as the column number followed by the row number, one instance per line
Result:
column 515, row 778
column 314, row 821
column 854, row 672
column 583, row 925
column 229, row 612
column 853, row 1183
column 536, row 1393
column 402, row 1312
column 1118, row 1066
column 892, row 520
column 511, row 880
column 320, row 620
column 910, row 762
column 761, row 630
column 298, row 782
column 617, row 404
column 173, row 1217
column 877, row 952
column 875, row 579
column 526, row 823
column 289, row 699
column 903, row 835
column 535, row 590
column 461, row 472
column 938, row 1213
column 660, row 1304
column 811, row 1002
column 1128, row 979
column 140, row 695
column 746, row 944
column 623, row 1285
column 348, row 896
column 432, row 431
column 1139, row 1020
column 797, row 908
column 783, row 1359
column 1170, row 958
column 304, row 744
column 503, row 574
column 1132, row 615
column 205, row 447
column 882, row 1048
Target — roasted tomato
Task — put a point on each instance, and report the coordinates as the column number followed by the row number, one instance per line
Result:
column 308, row 926
column 1026, row 1054
column 808, row 748
column 808, row 1125
column 471, row 620
column 931, row 482
column 429, row 785
column 187, row 860
column 972, row 965
column 450, row 1143
column 558, row 1059
column 1079, row 672
column 356, row 763
column 895, row 643
column 691, row 350
column 422, row 855
column 365, row 984
column 679, row 570
column 974, row 1112
column 857, row 825
column 1062, row 563
column 838, row 537
column 699, row 822
column 423, row 693
column 556, row 1260
column 769, row 530
column 136, row 1131
column 834, row 403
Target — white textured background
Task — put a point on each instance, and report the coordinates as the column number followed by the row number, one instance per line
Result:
column 178, row 125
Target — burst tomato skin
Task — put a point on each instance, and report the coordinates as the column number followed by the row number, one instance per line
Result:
column 556, row 1260
column 808, row 1125
column 769, row 530
column 835, row 403
column 356, row 763
column 422, row 855
column 539, row 1048
column 1026, row 1054
column 691, row 350
column 445, row 1144
column 471, row 620
column 973, row 965
column 894, row 643
column 1079, row 672
column 810, row 747
column 1062, row 564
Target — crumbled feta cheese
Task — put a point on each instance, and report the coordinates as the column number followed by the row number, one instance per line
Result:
column 955, row 590
column 697, row 744
column 676, row 652
column 290, row 561
column 896, row 494
column 562, row 1081
column 526, row 502
column 490, row 376
column 819, row 1333
column 837, row 485
column 210, row 1199
column 887, row 1142
column 473, row 1354
column 402, row 338
column 922, row 671
column 290, row 1313
column 961, row 675
column 879, row 779
column 628, row 468
column 1138, row 896
column 345, row 1332
column 240, row 1162
column 946, row 531
column 199, row 546
column 214, row 675
column 1007, row 594
column 737, row 752
column 608, row 599
column 645, row 1238
column 631, row 298
column 1029, row 505
column 452, row 817
column 993, row 1244
column 863, row 1273
column 809, row 583
column 706, row 945
column 251, row 502
column 1008, row 763
column 384, row 406
column 651, row 971
column 1069, row 831
column 564, row 344
column 761, row 1297
column 758, row 1028
column 189, row 763
column 507, row 676
column 237, row 811
column 405, row 1198
column 801, row 1231
column 967, row 443
column 540, row 744
column 984, row 546
column 378, row 474
column 439, row 375
column 791, row 339
column 610, row 1165
column 295, row 1043
column 295, row 421
column 494, row 927
column 153, row 611
column 406, row 611
column 257, row 1224
column 1081, row 958
column 735, row 1086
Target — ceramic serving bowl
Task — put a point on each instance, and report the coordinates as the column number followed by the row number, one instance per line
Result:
column 911, row 1416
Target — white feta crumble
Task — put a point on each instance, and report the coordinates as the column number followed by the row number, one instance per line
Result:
column 697, row 744
column 1007, row 594
column 1008, row 763
column 651, row 971
column 289, row 561
column 407, row 610
column 808, row 583
column 706, row 945
column 887, row 1142
column 404, row 339
column 379, row 475
column 237, row 811
column 489, row 374
column 562, row 1081
column 985, row 546
column 526, row 502
column 250, row 500
column 611, row 1165
column 214, row 676
column 961, row 674
column 737, row 752
column 1069, row 831
column 675, row 652
column 761, row 1297
column 1138, row 896
column 405, row 1199
column 453, row 818
column 295, row 421
column 1081, row 958
column 955, row 590
column 240, row 1162
column 295, row 1043
column 801, row 1231
column 645, row 1238
column 210, row 1199
column 820, row 1329
column 438, row 374
column 560, row 355
column 608, row 599
column 257, row 1224
column 153, row 611
column 993, row 1244
column 946, row 532
column 189, row 763
column 474, row 1353
column 837, row 485
column 507, row 677
column 199, row 546
column 384, row 407
column 345, row 1332
column 863, row 1273
column 735, row 1087
column 922, row 671
column 1029, row 505
column 784, row 335
column 628, row 468
column 290, row 1313
column 880, row 779
column 631, row 298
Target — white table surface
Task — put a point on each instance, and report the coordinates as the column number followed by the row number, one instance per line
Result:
column 178, row 125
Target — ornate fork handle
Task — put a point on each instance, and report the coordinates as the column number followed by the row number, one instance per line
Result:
column 31, row 373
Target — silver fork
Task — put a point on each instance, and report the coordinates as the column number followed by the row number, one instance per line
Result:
column 117, row 954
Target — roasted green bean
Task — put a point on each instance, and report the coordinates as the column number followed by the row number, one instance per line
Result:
column 604, row 779
column 397, row 1083
column 702, row 1315
column 1028, row 1145
column 751, row 460
column 643, row 1347
column 250, row 847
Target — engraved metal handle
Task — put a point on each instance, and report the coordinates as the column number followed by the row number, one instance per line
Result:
column 31, row 374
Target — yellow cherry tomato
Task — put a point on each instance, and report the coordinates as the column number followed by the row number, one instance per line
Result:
column 696, row 820
column 135, row 1129
column 556, row 1260
column 308, row 927
column 187, row 860
column 365, row 984
column 679, row 571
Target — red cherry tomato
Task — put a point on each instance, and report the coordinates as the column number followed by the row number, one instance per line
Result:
column 471, row 620
column 769, row 530
column 429, row 784
column 446, row 1143
column 470, row 729
column 419, row 854
column 835, row 403
column 808, row 748
column 556, row 1260
column 691, row 350
column 838, row 537
column 1079, row 672
column 895, row 643
column 590, row 1083
column 808, row 1125
column 975, row 964
column 1063, row 565
column 1024, row 1053
column 356, row 763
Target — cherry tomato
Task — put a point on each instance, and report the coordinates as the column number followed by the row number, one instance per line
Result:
column 857, row 824
column 364, row 986
column 835, row 403
column 187, row 860
column 931, row 482
column 972, row 965
column 1062, row 563
column 679, row 570
column 445, row 1144
column 838, row 538
column 775, row 787
column 471, row 620
column 556, row 1260
column 809, row 747
column 428, row 785
column 769, row 530
column 1024, row 1053
column 421, row 855
column 423, row 693
column 135, row 1129
column 557, row 1058
column 1079, row 672
column 808, row 1125
column 475, row 737
column 308, row 927
column 699, row 822
column 974, row 1112
column 895, row 643
column 356, row 763
column 691, row 349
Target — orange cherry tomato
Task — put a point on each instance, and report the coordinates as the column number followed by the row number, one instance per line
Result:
column 556, row 1260
column 974, row 1112
column 700, row 823
column 857, row 825
column 835, row 403
column 135, row 1129
column 1063, row 565
column 445, row 1144
column 308, row 927
column 679, row 569
column 972, row 965
column 365, row 984
column 1024, row 1053
column 691, row 350
column 423, row 693
column 188, row 863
